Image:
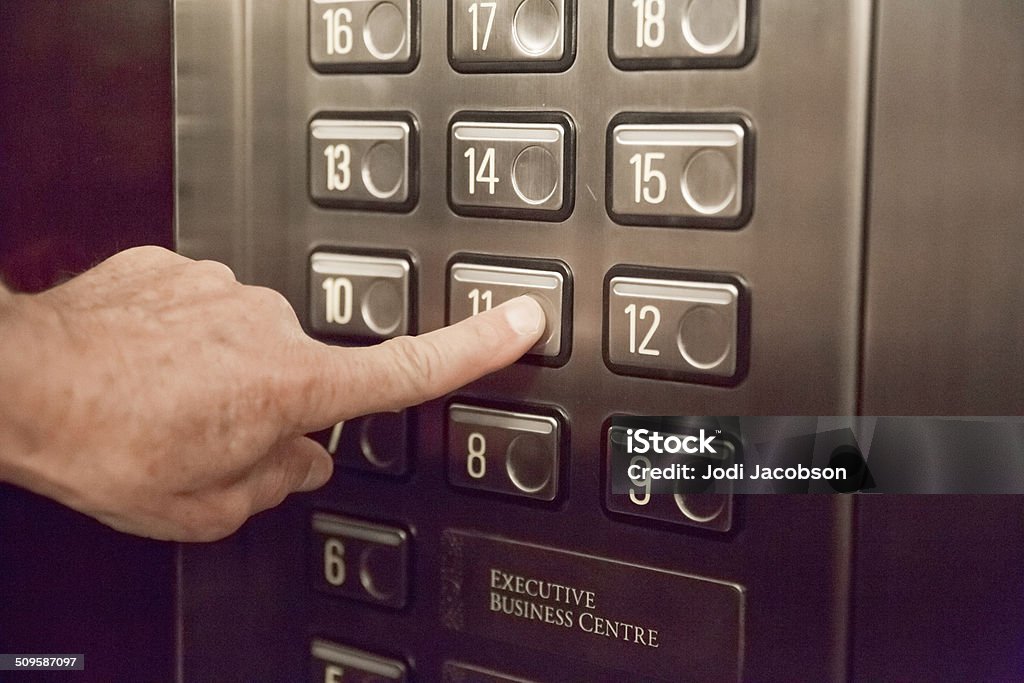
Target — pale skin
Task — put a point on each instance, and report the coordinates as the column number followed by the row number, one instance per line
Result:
column 163, row 398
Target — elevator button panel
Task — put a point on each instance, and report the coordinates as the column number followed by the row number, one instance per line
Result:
column 333, row 663
column 677, row 325
column 512, row 165
column 378, row 444
column 512, row 452
column 479, row 283
column 360, row 297
column 705, row 504
column 360, row 560
column 682, row 34
column 680, row 171
column 511, row 35
column 364, row 163
column 363, row 36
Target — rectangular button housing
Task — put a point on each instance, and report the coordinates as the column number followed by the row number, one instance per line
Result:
column 361, row 297
column 511, row 452
column 512, row 165
column 511, row 35
column 378, row 443
column 479, row 283
column 682, row 34
column 680, row 170
column 369, row 162
column 360, row 560
column 456, row 672
column 362, row 36
column 677, row 325
column 333, row 663
column 705, row 505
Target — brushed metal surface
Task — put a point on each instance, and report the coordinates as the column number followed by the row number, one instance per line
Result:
column 246, row 93
column 944, row 288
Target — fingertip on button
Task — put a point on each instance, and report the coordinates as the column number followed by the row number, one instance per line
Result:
column 525, row 316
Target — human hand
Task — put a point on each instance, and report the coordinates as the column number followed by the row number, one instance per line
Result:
column 165, row 399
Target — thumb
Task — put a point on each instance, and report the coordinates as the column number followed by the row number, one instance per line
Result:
column 297, row 465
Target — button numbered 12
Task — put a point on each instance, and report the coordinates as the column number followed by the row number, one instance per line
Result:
column 673, row 325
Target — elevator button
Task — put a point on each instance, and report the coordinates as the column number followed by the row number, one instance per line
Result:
column 694, row 503
column 680, row 171
column 686, row 326
column 360, row 560
column 479, row 283
column 515, row 166
column 363, row 163
column 511, row 35
column 360, row 297
column 681, row 34
column 361, row 36
column 374, row 443
column 501, row 451
column 334, row 663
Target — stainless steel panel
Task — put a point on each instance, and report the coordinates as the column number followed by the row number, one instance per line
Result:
column 943, row 317
column 246, row 93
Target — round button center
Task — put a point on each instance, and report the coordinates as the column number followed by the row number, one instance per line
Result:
column 710, row 26
column 383, row 307
column 536, row 26
column 535, row 175
column 709, row 182
column 384, row 31
column 529, row 463
column 383, row 170
column 705, row 337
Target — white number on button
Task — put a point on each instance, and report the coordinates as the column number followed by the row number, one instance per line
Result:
column 334, row 562
column 647, row 178
column 482, row 301
column 339, row 33
column 476, row 464
column 644, row 484
column 339, row 167
column 334, row 674
column 474, row 9
column 339, row 300
column 634, row 323
column 650, row 22
column 485, row 174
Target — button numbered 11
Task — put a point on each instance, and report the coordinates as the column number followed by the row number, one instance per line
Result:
column 362, row 36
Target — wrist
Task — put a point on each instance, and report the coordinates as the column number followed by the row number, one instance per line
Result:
column 26, row 330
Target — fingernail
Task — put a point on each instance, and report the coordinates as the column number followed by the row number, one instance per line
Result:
column 320, row 471
column 524, row 315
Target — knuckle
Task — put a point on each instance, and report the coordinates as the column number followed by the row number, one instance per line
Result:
column 418, row 364
column 272, row 300
column 215, row 269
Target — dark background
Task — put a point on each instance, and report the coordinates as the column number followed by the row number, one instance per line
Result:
column 86, row 150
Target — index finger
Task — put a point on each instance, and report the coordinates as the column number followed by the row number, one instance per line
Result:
column 407, row 371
